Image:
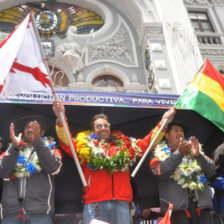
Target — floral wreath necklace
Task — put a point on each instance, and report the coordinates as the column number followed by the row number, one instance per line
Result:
column 118, row 154
column 28, row 163
column 188, row 174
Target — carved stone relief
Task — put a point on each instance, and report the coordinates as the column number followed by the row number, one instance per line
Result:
column 204, row 2
column 182, row 38
column 116, row 49
column 215, row 52
column 70, row 52
column 148, row 8
column 217, row 1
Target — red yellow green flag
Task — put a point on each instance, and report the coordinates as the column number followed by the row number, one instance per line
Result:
column 205, row 95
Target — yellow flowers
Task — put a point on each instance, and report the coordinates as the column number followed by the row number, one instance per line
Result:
column 118, row 154
column 82, row 135
column 82, row 143
column 82, row 147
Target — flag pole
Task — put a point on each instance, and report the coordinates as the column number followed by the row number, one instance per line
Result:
column 60, row 113
column 149, row 148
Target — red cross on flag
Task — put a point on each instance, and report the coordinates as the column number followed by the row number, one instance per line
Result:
column 22, row 66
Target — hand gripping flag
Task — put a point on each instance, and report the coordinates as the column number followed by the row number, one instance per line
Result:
column 205, row 95
column 23, row 70
column 22, row 66
column 167, row 217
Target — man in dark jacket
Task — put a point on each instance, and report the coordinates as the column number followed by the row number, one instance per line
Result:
column 183, row 170
column 28, row 169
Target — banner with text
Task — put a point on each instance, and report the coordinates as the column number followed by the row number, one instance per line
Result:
column 93, row 98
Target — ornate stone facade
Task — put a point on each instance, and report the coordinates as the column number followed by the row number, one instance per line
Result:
column 203, row 2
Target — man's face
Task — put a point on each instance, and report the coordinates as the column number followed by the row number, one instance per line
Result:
column 173, row 136
column 102, row 129
column 28, row 132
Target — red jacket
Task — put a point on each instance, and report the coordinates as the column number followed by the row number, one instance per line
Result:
column 102, row 186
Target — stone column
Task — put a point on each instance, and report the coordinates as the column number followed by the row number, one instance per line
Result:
column 182, row 48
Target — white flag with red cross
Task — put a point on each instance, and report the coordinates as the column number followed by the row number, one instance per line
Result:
column 22, row 66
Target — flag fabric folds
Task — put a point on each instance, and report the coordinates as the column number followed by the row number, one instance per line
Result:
column 167, row 218
column 205, row 95
column 22, row 66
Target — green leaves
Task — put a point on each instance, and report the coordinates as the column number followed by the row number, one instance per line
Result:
column 120, row 161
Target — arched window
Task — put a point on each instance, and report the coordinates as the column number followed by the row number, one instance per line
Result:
column 59, row 78
column 108, row 83
column 220, row 68
column 221, row 71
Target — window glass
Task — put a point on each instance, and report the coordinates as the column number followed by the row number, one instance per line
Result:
column 206, row 26
column 202, row 16
column 196, row 26
column 101, row 82
column 201, row 22
column 107, row 82
column 193, row 15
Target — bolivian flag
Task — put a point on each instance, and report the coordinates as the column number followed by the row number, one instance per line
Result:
column 205, row 95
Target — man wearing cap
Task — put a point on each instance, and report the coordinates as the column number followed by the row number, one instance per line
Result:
column 183, row 171
column 106, row 157
column 28, row 168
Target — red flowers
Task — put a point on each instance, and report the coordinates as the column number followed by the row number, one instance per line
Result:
column 124, row 141
column 117, row 135
column 12, row 177
column 96, row 142
column 22, row 143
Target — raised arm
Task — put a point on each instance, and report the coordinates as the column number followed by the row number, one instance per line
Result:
column 62, row 138
column 57, row 108
column 9, row 159
column 144, row 143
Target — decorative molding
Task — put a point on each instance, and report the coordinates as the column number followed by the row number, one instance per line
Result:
column 203, row 2
column 148, row 8
column 151, row 32
column 183, row 38
column 116, row 48
column 164, row 83
column 200, row 2
column 110, row 70
column 119, row 49
column 154, row 30
column 80, row 78
column 160, row 64
column 213, row 52
column 217, row 1
column 134, row 78
column 156, row 47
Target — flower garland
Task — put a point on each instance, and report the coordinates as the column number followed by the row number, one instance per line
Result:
column 118, row 154
column 26, row 167
column 188, row 174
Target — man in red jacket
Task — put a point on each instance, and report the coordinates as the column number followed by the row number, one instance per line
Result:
column 105, row 157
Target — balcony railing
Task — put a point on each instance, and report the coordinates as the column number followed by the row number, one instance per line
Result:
column 209, row 38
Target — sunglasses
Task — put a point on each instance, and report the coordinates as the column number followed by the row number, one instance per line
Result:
column 100, row 126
